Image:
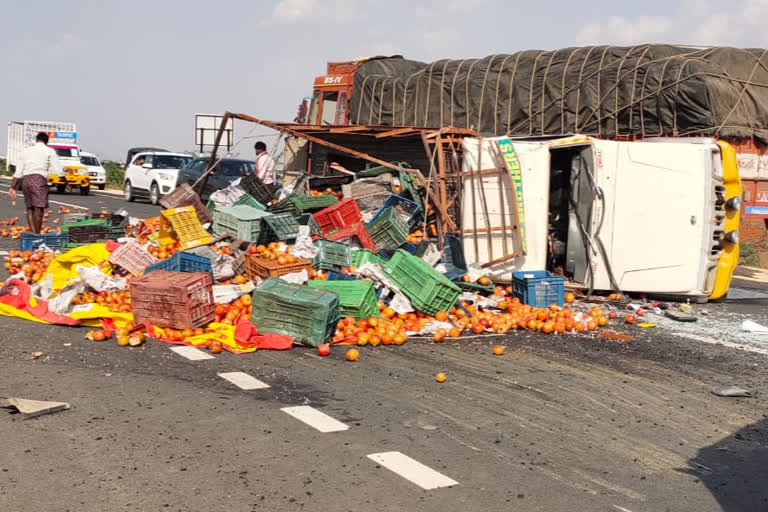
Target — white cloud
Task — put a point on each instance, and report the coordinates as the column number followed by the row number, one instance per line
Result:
column 317, row 11
column 66, row 45
column 703, row 23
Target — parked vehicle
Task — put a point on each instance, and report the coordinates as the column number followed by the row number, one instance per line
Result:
column 224, row 174
column 62, row 139
column 134, row 151
column 150, row 175
column 96, row 171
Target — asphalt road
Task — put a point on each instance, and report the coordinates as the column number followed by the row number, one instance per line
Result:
column 555, row 424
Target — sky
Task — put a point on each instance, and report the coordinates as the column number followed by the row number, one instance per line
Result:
column 135, row 73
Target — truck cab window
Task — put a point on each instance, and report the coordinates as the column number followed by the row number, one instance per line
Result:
column 329, row 107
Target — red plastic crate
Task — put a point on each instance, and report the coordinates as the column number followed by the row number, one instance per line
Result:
column 341, row 215
column 181, row 300
column 355, row 230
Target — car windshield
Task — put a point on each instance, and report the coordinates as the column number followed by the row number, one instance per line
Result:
column 90, row 161
column 235, row 167
column 170, row 161
column 67, row 152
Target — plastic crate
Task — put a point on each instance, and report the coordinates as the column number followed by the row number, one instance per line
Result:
column 173, row 299
column 281, row 226
column 407, row 209
column 183, row 262
column 184, row 195
column 112, row 219
column 311, row 204
column 71, row 218
column 453, row 257
column 356, row 298
column 256, row 266
column 245, row 222
column 186, row 226
column 114, row 232
column 428, row 290
column 257, row 189
column 31, row 241
column 538, row 288
column 388, row 230
column 363, row 256
column 343, row 214
column 248, row 200
column 132, row 257
column 306, row 314
column 331, row 255
column 205, row 251
column 408, row 247
column 476, row 287
column 332, row 275
column 83, row 223
column 87, row 234
column 284, row 206
column 356, row 231
column 308, row 220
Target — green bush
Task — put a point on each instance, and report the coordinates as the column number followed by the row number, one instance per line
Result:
column 748, row 255
column 3, row 166
column 115, row 174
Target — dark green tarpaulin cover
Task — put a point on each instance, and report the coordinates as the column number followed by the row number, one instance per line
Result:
column 605, row 91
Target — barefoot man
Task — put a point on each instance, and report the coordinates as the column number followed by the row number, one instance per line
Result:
column 32, row 171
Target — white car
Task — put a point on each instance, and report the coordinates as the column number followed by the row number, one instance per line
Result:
column 96, row 172
column 151, row 175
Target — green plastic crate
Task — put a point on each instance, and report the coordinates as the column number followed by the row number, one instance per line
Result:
column 331, row 255
column 248, row 200
column 389, row 230
column 363, row 256
column 356, row 298
column 279, row 226
column 428, row 289
column 311, row 204
column 476, row 287
column 242, row 221
column 72, row 245
column 308, row 219
column 308, row 315
column 87, row 222
column 115, row 232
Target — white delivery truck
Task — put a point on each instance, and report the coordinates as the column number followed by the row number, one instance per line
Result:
column 63, row 139
column 657, row 216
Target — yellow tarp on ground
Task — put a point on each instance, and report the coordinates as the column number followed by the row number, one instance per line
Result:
column 62, row 268
column 223, row 333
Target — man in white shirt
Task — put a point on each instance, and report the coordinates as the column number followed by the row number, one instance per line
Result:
column 32, row 171
column 265, row 166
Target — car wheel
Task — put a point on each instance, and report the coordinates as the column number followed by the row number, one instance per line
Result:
column 61, row 189
column 84, row 191
column 154, row 194
column 102, row 186
column 128, row 191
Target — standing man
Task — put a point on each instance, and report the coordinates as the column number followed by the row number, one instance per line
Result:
column 265, row 166
column 32, row 170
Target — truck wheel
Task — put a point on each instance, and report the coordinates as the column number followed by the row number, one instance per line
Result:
column 128, row 191
column 84, row 191
column 61, row 189
column 154, row 194
column 102, row 186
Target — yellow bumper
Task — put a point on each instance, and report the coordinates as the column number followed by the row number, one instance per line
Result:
column 74, row 179
column 729, row 256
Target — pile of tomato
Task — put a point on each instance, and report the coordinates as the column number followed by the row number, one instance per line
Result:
column 32, row 263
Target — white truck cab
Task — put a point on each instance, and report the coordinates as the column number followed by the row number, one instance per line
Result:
column 151, row 175
column 95, row 169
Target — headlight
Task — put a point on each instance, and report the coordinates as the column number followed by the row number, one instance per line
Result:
column 166, row 177
column 733, row 203
column 732, row 237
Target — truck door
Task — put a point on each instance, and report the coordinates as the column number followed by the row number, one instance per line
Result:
column 659, row 222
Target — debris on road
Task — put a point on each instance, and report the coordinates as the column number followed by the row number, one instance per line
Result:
column 732, row 392
column 753, row 327
column 31, row 408
column 680, row 316
column 34, row 355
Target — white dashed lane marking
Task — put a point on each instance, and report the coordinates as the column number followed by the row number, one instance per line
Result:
column 316, row 419
column 192, row 353
column 413, row 470
column 243, row 380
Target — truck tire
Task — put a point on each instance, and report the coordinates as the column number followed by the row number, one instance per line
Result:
column 128, row 191
column 154, row 193
column 102, row 186
column 84, row 191
column 61, row 189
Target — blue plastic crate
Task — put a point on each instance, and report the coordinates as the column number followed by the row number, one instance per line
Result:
column 405, row 207
column 407, row 246
column 31, row 241
column 183, row 262
column 338, row 276
column 453, row 257
column 538, row 288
